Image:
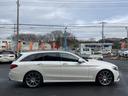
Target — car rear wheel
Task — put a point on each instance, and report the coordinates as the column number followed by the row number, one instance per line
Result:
column 105, row 77
column 33, row 79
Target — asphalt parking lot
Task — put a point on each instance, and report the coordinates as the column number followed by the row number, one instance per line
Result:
column 9, row 88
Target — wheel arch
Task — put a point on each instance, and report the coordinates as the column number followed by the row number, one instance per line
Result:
column 32, row 71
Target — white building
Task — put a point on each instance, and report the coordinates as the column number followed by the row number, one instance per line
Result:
column 5, row 44
column 89, row 48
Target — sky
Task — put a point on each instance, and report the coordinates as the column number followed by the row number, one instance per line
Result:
column 67, row 12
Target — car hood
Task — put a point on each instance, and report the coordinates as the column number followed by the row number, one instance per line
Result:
column 98, row 62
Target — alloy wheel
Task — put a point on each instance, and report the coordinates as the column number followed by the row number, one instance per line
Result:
column 33, row 79
column 105, row 77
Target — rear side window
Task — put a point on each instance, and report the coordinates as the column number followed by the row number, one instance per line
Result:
column 51, row 57
column 33, row 57
column 43, row 57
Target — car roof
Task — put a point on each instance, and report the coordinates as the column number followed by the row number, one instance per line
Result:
column 35, row 52
column 25, row 54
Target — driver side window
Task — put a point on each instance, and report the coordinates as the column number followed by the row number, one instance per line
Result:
column 68, row 57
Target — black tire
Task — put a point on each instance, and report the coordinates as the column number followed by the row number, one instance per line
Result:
column 105, row 78
column 33, row 79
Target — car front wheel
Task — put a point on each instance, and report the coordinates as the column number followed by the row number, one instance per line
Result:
column 105, row 77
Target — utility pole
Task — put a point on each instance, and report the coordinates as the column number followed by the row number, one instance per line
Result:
column 127, row 34
column 18, row 5
column 65, row 38
column 126, row 31
column 15, row 33
column 15, row 29
column 103, row 35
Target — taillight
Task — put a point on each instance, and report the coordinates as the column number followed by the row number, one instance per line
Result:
column 12, row 66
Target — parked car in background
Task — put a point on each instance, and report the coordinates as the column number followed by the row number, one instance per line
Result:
column 122, row 52
column 35, row 68
column 7, row 56
column 125, row 53
column 96, row 55
column 114, row 53
column 89, row 53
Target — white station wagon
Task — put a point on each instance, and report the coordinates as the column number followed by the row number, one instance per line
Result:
column 35, row 68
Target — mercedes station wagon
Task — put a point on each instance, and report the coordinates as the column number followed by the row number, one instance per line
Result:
column 36, row 68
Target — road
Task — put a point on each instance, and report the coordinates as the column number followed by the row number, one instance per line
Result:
column 9, row 88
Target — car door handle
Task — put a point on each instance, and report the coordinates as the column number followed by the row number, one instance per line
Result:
column 65, row 64
column 39, row 64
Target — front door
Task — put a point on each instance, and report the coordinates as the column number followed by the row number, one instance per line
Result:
column 71, row 69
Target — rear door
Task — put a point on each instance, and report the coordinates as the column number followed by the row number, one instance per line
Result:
column 48, row 64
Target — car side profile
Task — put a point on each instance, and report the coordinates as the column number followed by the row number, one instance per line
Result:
column 35, row 68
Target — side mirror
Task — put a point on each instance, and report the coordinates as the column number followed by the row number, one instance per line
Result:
column 81, row 61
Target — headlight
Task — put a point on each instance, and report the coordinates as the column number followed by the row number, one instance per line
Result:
column 115, row 68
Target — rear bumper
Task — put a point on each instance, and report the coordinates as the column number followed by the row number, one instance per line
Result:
column 14, row 77
column 6, row 59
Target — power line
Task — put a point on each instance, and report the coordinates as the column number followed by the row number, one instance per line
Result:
column 71, row 2
column 76, row 7
column 68, row 1
column 72, row 6
column 70, row 25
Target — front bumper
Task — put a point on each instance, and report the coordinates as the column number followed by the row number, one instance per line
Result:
column 116, row 76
